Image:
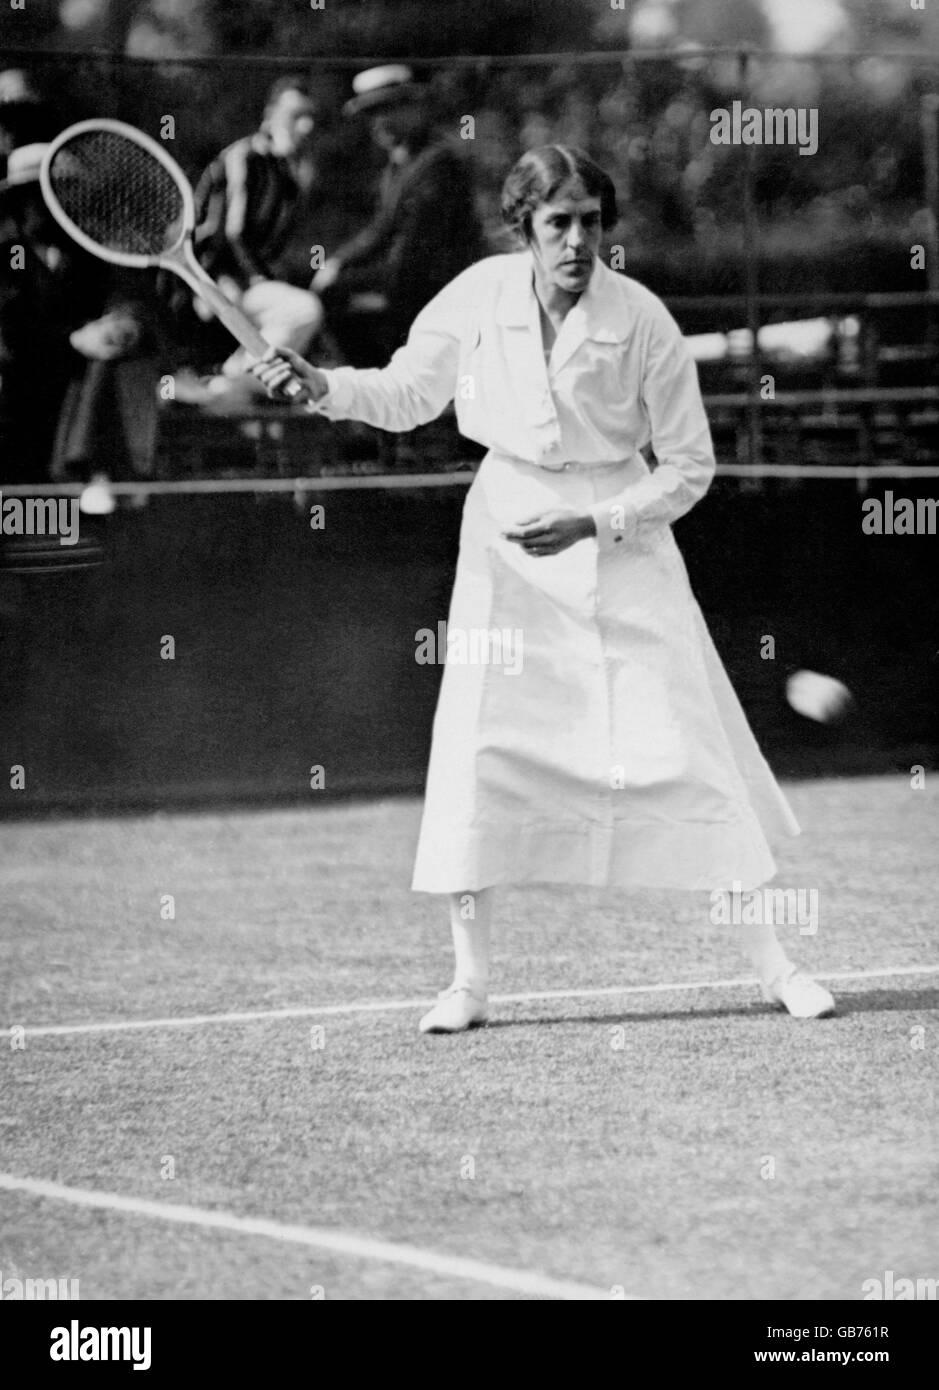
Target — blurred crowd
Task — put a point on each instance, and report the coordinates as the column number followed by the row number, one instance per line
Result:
column 346, row 209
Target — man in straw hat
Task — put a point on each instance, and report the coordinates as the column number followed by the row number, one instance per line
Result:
column 425, row 230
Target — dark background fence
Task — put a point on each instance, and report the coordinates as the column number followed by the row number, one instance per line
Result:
column 296, row 647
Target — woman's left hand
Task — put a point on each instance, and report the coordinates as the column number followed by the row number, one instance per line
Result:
column 551, row 532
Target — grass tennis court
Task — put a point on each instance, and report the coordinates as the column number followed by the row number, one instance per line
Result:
column 604, row 1140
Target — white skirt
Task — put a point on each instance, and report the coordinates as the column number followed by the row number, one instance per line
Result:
column 586, row 730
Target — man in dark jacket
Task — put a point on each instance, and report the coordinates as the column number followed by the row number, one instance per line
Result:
column 426, row 229
column 48, row 288
column 78, row 381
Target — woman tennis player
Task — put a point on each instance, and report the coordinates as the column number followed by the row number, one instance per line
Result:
column 611, row 751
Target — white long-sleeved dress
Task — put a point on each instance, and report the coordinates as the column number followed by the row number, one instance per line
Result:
column 586, row 731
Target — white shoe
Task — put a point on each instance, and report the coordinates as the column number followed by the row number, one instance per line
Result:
column 800, row 994
column 456, row 1009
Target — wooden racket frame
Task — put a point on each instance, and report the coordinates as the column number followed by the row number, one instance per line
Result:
column 180, row 258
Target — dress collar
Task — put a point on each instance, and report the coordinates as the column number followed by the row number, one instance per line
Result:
column 598, row 314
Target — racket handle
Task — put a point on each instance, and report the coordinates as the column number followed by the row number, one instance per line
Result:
column 241, row 327
column 234, row 319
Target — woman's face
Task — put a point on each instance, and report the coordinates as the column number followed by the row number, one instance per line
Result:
column 565, row 238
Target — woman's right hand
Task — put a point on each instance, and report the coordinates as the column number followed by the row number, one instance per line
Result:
column 278, row 366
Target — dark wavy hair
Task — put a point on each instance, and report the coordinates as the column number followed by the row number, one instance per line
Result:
column 541, row 173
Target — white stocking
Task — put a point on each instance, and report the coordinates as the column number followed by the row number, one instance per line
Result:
column 762, row 946
column 470, row 924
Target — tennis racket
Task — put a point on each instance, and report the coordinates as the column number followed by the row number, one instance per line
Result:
column 120, row 196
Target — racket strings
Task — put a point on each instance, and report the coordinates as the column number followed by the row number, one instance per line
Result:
column 117, row 193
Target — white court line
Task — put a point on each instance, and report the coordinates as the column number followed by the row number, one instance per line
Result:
column 317, row 1238
column 392, row 1005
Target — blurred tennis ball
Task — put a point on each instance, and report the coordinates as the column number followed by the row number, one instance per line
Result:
column 818, row 697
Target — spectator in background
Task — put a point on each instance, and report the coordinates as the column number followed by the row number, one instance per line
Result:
column 78, row 377
column 426, row 229
column 245, row 204
column 48, row 288
column 25, row 117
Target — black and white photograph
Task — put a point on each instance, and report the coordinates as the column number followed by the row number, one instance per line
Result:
column 469, row 665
